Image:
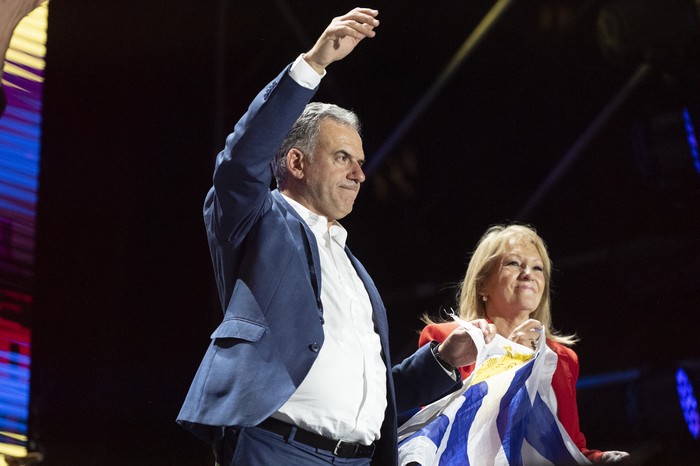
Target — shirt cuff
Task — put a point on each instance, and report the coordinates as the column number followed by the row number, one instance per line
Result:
column 304, row 74
column 449, row 370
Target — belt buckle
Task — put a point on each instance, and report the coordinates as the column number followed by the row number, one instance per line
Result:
column 336, row 450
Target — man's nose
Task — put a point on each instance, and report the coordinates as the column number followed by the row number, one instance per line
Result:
column 357, row 173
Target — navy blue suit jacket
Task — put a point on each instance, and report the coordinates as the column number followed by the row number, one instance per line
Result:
column 267, row 269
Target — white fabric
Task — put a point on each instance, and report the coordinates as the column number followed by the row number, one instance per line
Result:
column 344, row 394
column 504, row 414
column 304, row 74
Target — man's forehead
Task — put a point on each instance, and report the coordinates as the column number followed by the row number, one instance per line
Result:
column 340, row 137
column 330, row 127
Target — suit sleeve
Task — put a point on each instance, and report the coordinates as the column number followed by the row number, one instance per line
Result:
column 438, row 332
column 420, row 380
column 242, row 176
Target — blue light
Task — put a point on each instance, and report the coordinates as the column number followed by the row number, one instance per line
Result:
column 692, row 140
column 689, row 404
column 593, row 381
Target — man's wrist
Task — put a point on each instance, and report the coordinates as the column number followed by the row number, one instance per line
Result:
column 321, row 70
column 434, row 348
column 304, row 74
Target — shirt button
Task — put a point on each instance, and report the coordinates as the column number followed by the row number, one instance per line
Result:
column 314, row 347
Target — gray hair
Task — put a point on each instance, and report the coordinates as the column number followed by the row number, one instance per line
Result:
column 304, row 135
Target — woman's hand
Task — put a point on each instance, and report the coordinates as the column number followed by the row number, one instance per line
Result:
column 528, row 333
column 614, row 456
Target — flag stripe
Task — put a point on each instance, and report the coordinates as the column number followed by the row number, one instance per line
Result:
column 503, row 419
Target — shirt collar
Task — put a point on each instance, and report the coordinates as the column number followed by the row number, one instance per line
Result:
column 319, row 223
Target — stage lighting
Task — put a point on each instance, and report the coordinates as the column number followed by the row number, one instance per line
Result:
column 692, row 137
column 629, row 30
column 643, row 403
column 3, row 101
column 689, row 404
column 666, row 149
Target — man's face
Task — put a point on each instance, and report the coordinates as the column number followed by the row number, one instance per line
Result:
column 332, row 178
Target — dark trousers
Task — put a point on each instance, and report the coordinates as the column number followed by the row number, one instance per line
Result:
column 252, row 446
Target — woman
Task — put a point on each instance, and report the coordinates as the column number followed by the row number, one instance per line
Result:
column 507, row 283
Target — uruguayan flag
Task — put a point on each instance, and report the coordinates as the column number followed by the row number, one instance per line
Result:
column 504, row 415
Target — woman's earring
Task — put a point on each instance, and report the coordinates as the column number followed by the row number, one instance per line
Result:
column 484, row 298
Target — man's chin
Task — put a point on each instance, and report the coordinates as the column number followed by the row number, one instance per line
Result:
column 343, row 214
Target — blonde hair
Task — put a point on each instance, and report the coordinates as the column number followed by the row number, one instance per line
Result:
column 483, row 261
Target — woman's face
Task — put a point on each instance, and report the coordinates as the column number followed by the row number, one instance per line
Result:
column 517, row 281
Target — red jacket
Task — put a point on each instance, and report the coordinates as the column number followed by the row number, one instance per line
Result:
column 563, row 383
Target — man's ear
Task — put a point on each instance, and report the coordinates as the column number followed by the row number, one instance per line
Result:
column 295, row 163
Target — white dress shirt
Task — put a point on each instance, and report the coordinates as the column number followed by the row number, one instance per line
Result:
column 344, row 395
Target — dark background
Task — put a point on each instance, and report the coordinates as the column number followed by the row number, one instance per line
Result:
column 140, row 95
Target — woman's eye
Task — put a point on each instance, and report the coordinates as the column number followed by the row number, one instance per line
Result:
column 538, row 268
column 513, row 263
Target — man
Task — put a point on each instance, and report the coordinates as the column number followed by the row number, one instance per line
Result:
column 298, row 372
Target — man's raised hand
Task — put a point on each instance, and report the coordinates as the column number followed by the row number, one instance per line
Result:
column 341, row 36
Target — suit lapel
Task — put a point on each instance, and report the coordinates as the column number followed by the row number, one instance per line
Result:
column 306, row 245
column 304, row 241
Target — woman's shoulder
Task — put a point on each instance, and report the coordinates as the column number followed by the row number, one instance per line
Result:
column 436, row 331
column 563, row 351
column 441, row 327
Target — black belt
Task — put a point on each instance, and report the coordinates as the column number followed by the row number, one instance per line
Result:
column 337, row 447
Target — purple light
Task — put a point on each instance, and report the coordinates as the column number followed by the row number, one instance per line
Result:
column 689, row 404
column 20, row 147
